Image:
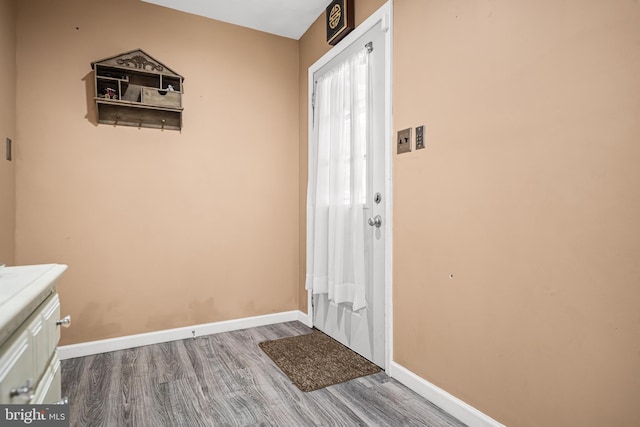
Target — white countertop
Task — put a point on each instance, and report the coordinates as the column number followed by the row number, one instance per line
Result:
column 22, row 289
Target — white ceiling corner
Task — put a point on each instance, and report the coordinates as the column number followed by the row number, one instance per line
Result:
column 287, row 18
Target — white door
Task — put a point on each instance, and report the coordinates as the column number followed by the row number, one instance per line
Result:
column 363, row 329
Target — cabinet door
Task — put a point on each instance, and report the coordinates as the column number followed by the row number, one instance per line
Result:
column 54, row 391
column 44, row 333
column 50, row 315
column 50, row 386
column 17, row 370
column 37, row 346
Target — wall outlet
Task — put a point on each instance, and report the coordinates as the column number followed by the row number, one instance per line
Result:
column 420, row 137
column 404, row 141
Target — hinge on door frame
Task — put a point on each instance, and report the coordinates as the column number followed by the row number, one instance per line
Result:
column 313, row 104
column 369, row 47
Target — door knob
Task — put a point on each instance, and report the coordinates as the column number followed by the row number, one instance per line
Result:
column 376, row 220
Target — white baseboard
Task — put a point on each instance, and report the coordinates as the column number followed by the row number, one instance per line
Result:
column 305, row 318
column 131, row 341
column 445, row 401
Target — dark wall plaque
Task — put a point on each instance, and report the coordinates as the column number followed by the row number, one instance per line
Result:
column 340, row 20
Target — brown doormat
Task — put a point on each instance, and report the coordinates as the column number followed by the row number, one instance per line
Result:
column 313, row 361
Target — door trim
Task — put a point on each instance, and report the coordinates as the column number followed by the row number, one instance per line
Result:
column 384, row 18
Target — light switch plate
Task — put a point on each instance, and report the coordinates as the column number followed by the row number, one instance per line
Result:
column 404, row 141
column 420, row 137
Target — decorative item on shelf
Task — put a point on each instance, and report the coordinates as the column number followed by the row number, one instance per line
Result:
column 110, row 93
column 134, row 89
column 340, row 20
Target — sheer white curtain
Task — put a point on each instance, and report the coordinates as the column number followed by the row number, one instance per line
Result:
column 336, row 193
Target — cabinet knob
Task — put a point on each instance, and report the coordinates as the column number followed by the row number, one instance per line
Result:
column 25, row 391
column 66, row 322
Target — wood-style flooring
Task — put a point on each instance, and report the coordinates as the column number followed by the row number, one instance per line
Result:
column 226, row 380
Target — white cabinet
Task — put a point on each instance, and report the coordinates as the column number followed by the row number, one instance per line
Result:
column 29, row 316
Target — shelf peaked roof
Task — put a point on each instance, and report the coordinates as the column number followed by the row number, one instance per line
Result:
column 137, row 59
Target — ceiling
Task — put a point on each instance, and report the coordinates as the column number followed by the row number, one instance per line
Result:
column 287, row 18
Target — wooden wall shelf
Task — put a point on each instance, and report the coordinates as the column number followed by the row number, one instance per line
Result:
column 134, row 89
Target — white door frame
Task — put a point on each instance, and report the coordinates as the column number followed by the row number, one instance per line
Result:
column 384, row 18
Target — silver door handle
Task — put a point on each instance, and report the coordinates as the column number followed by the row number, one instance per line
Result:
column 376, row 220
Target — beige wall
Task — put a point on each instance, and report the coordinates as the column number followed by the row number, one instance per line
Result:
column 528, row 193
column 7, row 128
column 313, row 44
column 159, row 229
